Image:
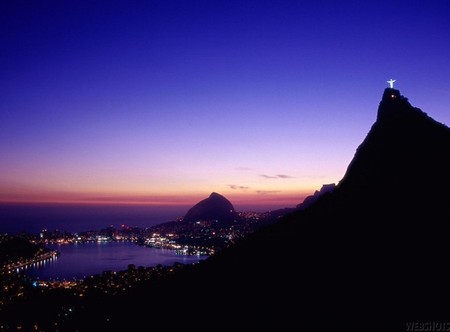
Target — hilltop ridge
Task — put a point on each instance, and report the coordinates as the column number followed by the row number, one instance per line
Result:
column 215, row 207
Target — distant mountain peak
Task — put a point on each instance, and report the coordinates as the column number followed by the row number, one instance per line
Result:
column 326, row 188
column 215, row 207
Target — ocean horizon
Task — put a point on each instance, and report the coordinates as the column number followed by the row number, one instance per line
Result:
column 33, row 218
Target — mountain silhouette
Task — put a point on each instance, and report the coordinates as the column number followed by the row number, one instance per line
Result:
column 309, row 200
column 403, row 161
column 369, row 255
column 215, row 207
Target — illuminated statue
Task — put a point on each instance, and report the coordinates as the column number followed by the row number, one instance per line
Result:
column 391, row 83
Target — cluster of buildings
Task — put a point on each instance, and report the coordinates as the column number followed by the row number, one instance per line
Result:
column 202, row 237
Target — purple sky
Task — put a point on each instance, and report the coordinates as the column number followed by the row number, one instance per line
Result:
column 164, row 102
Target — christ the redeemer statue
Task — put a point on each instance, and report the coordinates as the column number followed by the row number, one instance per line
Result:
column 391, row 83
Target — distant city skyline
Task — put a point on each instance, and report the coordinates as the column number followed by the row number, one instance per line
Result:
column 164, row 102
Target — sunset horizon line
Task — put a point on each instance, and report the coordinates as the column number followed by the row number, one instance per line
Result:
column 268, row 200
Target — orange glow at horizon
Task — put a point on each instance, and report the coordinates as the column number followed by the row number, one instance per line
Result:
column 263, row 198
column 243, row 187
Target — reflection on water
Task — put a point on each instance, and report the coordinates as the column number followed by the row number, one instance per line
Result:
column 81, row 260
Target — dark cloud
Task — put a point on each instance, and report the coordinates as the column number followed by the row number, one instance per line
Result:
column 284, row 176
column 267, row 176
column 278, row 176
column 267, row 192
column 236, row 187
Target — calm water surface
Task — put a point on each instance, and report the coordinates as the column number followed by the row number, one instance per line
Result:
column 81, row 260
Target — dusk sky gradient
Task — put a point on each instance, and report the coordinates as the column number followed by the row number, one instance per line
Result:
column 164, row 102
